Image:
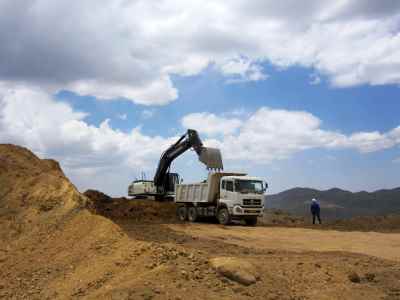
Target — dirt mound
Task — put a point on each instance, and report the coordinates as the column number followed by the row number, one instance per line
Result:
column 33, row 192
column 45, row 228
column 97, row 196
column 28, row 182
column 137, row 210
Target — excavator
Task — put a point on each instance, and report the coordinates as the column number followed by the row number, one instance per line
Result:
column 163, row 184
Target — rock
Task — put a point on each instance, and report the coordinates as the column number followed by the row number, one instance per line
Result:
column 370, row 277
column 354, row 277
column 235, row 269
column 185, row 274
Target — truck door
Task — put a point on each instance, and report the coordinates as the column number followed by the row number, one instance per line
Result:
column 227, row 192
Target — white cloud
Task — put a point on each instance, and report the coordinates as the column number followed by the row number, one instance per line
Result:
column 122, row 116
column 106, row 158
column 242, row 70
column 52, row 129
column 273, row 134
column 130, row 49
column 210, row 124
column 147, row 114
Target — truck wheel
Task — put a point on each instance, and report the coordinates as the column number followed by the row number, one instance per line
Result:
column 182, row 213
column 223, row 216
column 251, row 221
column 192, row 214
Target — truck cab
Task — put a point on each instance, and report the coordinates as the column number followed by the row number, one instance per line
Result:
column 242, row 196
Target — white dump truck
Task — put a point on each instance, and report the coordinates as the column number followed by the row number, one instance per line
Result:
column 226, row 196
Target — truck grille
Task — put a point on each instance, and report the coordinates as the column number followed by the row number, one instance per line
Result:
column 251, row 201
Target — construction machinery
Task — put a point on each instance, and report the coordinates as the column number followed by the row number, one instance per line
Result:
column 226, row 196
column 163, row 184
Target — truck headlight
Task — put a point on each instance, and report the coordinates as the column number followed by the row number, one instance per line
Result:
column 238, row 210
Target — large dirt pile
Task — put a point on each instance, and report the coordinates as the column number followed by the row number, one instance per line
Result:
column 47, row 233
column 136, row 210
column 29, row 182
column 33, row 191
column 54, row 247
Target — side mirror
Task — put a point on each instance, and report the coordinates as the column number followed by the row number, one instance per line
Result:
column 266, row 186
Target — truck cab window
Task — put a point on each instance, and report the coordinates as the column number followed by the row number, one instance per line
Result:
column 229, row 186
column 223, row 184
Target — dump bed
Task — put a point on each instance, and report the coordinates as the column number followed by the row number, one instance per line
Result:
column 195, row 192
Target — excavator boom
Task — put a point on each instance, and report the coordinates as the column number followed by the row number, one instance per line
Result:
column 211, row 157
column 164, row 182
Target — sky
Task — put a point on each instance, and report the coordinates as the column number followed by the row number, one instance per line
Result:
column 300, row 93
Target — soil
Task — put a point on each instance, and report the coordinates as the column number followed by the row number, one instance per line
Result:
column 57, row 243
column 385, row 224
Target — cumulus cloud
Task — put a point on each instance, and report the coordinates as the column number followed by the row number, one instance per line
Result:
column 271, row 134
column 52, row 129
column 147, row 114
column 122, row 116
column 210, row 124
column 130, row 49
column 107, row 158
column 242, row 70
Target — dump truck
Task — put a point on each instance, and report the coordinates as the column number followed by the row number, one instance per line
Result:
column 226, row 196
column 163, row 184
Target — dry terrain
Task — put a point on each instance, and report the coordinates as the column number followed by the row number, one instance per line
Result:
column 57, row 243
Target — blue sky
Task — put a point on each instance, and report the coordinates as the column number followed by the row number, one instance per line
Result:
column 307, row 99
column 348, row 110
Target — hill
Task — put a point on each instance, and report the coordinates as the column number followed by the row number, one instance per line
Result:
column 337, row 203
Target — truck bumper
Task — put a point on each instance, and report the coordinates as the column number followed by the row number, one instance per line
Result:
column 241, row 211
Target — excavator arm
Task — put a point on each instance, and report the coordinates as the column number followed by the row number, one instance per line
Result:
column 211, row 157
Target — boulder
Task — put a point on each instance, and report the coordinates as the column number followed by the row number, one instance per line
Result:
column 235, row 269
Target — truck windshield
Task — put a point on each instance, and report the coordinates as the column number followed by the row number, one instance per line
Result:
column 249, row 186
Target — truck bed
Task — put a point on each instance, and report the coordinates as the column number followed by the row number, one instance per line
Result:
column 194, row 192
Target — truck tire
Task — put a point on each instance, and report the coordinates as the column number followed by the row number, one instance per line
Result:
column 251, row 221
column 223, row 216
column 182, row 213
column 192, row 214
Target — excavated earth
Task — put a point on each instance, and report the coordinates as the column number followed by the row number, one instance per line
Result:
column 57, row 243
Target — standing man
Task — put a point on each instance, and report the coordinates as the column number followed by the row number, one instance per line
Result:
column 315, row 211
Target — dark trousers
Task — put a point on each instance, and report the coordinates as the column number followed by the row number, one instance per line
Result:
column 316, row 215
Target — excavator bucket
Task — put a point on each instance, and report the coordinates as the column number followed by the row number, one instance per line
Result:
column 212, row 158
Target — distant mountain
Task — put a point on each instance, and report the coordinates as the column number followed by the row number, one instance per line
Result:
column 336, row 203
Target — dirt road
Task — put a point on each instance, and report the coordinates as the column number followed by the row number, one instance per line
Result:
column 382, row 245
